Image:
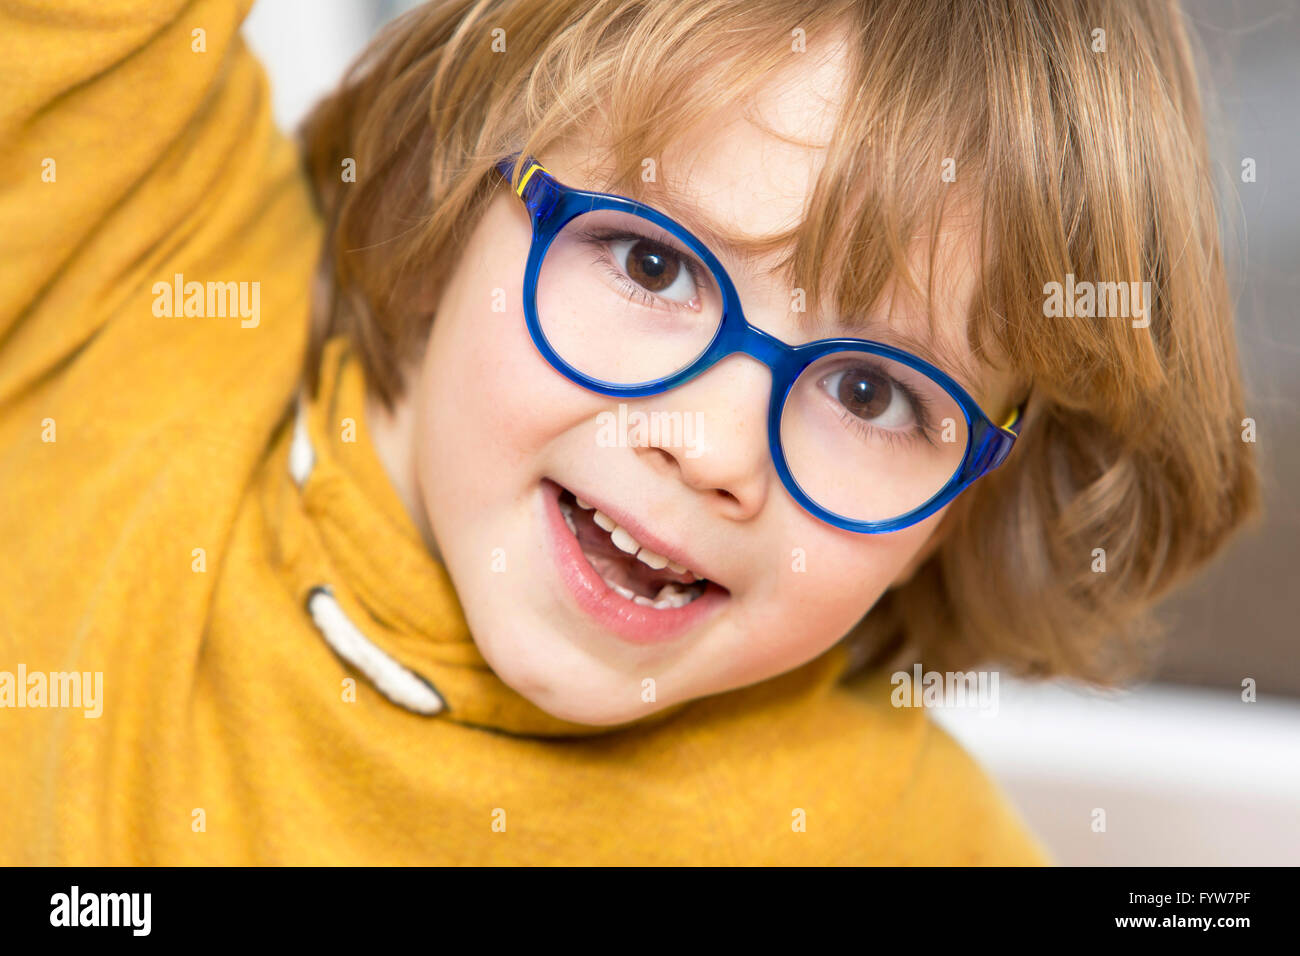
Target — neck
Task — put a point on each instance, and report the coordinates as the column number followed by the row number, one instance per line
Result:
column 392, row 432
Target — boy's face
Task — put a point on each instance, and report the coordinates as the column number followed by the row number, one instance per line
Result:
column 496, row 438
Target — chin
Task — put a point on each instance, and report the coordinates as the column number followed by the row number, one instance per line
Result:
column 558, row 678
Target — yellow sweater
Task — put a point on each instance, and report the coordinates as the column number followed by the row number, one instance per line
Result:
column 285, row 673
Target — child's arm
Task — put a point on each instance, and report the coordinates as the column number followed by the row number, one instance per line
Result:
column 125, row 125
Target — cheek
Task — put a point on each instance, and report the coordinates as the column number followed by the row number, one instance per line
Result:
column 487, row 398
column 875, row 562
column 830, row 579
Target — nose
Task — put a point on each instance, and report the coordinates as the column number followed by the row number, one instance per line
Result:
column 725, row 453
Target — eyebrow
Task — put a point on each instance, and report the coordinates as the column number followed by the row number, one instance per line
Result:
column 742, row 249
column 938, row 352
column 745, row 251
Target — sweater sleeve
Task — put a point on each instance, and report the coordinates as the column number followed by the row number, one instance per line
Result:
column 100, row 103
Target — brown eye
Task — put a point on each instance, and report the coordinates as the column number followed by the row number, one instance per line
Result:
column 864, row 391
column 652, row 266
column 870, row 393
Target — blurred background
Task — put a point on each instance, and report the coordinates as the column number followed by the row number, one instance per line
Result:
column 1186, row 772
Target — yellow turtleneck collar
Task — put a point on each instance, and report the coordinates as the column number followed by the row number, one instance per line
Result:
column 381, row 585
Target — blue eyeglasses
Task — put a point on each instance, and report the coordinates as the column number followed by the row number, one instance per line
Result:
column 626, row 302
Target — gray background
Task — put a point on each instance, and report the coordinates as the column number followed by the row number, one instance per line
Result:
column 1240, row 618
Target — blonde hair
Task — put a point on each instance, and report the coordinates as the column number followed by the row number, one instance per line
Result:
column 1085, row 163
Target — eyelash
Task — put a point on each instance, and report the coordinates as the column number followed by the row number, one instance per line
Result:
column 920, row 408
column 598, row 239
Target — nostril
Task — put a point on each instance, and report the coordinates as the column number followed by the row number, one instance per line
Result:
column 727, row 496
column 668, row 459
column 702, row 479
column 665, row 457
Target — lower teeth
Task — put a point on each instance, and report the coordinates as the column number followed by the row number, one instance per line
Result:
column 568, row 517
column 671, row 595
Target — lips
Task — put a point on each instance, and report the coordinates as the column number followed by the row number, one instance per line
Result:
column 632, row 570
column 629, row 587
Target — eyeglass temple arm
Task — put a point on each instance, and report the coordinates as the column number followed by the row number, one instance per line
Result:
column 1006, row 437
column 536, row 198
column 530, row 166
column 1016, row 419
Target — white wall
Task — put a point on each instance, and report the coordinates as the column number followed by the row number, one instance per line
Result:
column 307, row 44
column 1185, row 776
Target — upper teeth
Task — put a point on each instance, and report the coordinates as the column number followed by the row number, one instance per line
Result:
column 624, row 541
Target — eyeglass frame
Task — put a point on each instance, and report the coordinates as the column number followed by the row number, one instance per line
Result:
column 552, row 205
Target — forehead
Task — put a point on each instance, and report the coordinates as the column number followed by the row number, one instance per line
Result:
column 740, row 181
column 750, row 169
column 747, row 167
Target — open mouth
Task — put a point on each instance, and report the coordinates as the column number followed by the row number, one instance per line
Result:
column 633, row 571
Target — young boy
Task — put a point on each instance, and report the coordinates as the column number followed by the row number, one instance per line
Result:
column 678, row 371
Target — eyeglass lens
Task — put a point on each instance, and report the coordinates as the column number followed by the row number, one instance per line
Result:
column 624, row 301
